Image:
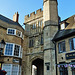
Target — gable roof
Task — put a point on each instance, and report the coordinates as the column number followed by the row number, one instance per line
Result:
column 68, row 31
column 64, row 34
column 9, row 21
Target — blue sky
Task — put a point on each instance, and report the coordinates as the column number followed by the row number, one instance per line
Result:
column 66, row 8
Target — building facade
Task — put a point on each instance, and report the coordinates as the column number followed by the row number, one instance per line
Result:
column 40, row 29
column 65, row 47
column 13, row 35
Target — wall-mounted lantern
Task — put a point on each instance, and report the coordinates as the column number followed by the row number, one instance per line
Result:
column 2, row 45
column 47, row 65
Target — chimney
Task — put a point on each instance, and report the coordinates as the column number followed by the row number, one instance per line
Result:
column 16, row 17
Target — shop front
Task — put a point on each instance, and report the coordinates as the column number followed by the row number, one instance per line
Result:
column 67, row 68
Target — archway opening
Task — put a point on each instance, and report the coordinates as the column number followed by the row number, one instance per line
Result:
column 37, row 67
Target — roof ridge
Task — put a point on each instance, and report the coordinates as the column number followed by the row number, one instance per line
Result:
column 8, row 20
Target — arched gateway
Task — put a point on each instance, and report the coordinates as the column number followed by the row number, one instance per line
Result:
column 37, row 67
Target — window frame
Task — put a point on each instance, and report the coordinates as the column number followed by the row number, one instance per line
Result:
column 33, row 25
column 42, row 40
column 73, row 70
column 15, row 32
column 11, row 29
column 71, row 39
column 63, row 46
column 20, row 33
column 31, row 42
column 8, row 70
column 62, row 26
column 11, row 68
column 41, row 23
column 19, row 51
column 5, row 49
column 63, row 70
column 13, row 50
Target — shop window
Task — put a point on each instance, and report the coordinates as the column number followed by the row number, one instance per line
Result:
column 12, row 50
column 61, row 46
column 72, row 44
column 63, row 70
column 73, row 70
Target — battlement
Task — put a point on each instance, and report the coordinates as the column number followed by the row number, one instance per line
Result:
column 33, row 15
column 38, row 11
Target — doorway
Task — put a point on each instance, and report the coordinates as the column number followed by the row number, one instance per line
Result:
column 37, row 67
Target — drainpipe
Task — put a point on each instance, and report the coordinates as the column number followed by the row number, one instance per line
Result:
column 55, row 57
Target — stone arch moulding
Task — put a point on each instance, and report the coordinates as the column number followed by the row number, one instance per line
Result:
column 36, row 57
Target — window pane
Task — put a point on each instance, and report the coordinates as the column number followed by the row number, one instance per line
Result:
column 73, row 71
column 11, row 31
column 39, row 23
column 11, row 69
column 62, row 26
column 9, row 49
column 18, row 33
column 41, row 40
column 15, row 69
column 72, row 44
column 7, row 68
column 16, row 50
column 61, row 47
column 31, row 42
column 63, row 70
column 35, row 25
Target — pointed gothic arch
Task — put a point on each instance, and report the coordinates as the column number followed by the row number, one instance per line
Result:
column 37, row 66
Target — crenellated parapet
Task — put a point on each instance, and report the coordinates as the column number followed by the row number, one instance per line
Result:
column 33, row 15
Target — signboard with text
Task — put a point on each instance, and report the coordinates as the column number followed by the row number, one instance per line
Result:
column 70, row 55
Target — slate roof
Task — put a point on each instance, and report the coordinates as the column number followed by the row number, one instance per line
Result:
column 9, row 21
column 63, row 34
column 68, row 31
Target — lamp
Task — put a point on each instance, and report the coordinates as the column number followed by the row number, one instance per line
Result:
column 2, row 45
